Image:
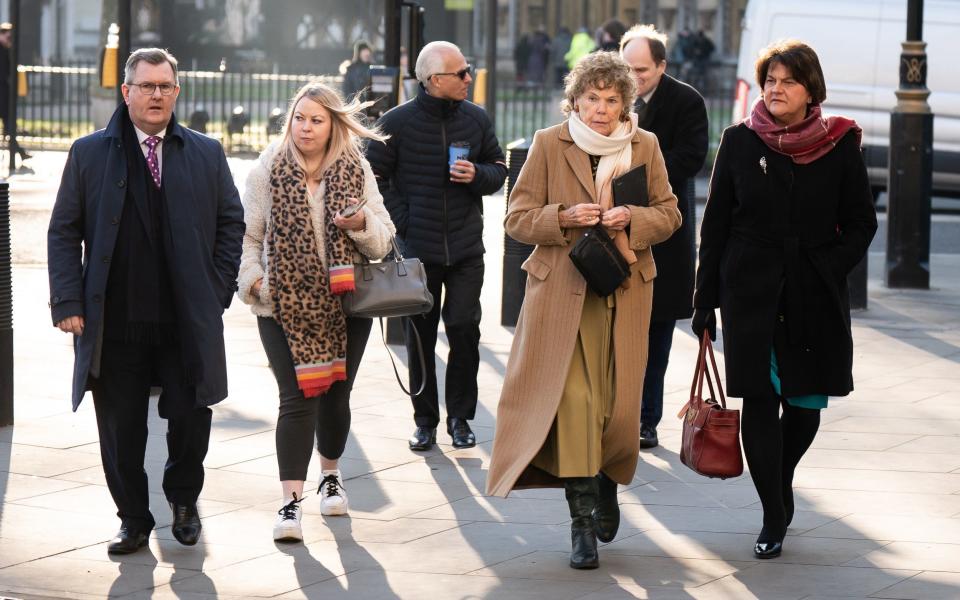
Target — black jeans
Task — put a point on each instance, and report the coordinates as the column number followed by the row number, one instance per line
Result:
column 658, row 355
column 121, row 400
column 326, row 417
column 460, row 285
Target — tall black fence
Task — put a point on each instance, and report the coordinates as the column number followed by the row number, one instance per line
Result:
column 243, row 110
column 54, row 109
column 522, row 109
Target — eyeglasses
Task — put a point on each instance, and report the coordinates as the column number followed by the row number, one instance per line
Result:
column 462, row 73
column 147, row 89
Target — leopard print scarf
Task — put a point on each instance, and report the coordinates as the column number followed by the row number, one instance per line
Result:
column 305, row 292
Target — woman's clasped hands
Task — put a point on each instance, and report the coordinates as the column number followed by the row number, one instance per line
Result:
column 588, row 215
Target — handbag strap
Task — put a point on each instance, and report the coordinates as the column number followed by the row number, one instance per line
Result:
column 707, row 350
column 396, row 373
column 701, row 373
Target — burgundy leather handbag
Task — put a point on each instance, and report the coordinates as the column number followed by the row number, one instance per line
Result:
column 711, row 431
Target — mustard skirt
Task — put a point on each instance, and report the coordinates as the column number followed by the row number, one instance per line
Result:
column 573, row 446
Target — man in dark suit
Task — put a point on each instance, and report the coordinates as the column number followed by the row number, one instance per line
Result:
column 144, row 246
column 675, row 112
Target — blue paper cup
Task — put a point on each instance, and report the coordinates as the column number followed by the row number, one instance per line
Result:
column 458, row 151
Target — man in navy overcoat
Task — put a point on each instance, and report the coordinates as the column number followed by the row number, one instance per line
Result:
column 143, row 248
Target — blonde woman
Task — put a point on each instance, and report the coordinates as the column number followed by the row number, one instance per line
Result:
column 298, row 254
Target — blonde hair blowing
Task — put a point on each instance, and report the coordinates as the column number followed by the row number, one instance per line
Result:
column 347, row 131
column 600, row 70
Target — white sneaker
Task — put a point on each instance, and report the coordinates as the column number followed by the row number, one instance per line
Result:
column 287, row 527
column 333, row 497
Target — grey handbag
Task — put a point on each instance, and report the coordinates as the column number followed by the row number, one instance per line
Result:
column 395, row 287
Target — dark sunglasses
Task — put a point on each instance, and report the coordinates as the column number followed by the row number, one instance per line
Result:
column 462, row 73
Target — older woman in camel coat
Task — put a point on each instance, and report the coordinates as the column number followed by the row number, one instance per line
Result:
column 569, row 410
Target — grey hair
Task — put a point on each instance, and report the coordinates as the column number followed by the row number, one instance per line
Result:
column 153, row 56
column 430, row 59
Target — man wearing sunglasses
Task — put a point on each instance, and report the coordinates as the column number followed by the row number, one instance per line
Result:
column 144, row 246
column 442, row 157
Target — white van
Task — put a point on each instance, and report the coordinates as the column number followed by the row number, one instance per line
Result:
column 858, row 42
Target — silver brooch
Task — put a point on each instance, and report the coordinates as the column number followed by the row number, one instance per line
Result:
column 763, row 164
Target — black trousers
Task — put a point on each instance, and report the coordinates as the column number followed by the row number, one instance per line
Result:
column 326, row 417
column 658, row 356
column 459, row 306
column 121, row 400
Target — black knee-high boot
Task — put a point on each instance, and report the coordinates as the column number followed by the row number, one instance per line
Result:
column 582, row 495
column 763, row 448
column 798, row 427
column 606, row 515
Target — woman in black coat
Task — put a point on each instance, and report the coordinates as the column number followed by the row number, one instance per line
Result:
column 789, row 214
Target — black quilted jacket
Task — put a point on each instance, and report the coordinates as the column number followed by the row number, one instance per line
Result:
column 439, row 221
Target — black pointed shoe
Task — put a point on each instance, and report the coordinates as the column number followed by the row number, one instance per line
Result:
column 128, row 540
column 581, row 493
column 423, row 438
column 770, row 542
column 460, row 432
column 648, row 437
column 606, row 515
column 767, row 549
column 186, row 523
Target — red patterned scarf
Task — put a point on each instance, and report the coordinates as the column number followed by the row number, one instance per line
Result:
column 805, row 141
column 305, row 292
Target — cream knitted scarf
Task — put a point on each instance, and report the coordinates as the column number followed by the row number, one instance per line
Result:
column 616, row 156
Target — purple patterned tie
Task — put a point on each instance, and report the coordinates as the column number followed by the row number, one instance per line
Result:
column 151, row 143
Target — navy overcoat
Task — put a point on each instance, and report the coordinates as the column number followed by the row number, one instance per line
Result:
column 206, row 234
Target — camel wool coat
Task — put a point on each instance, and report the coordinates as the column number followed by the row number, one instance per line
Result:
column 556, row 176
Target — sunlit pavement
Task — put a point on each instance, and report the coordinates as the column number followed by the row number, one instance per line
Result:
column 878, row 495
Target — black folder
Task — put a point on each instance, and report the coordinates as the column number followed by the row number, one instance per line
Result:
column 631, row 188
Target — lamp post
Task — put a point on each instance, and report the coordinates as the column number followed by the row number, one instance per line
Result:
column 911, row 165
column 490, row 59
column 12, row 84
column 123, row 43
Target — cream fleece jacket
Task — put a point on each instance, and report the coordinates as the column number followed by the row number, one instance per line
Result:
column 373, row 241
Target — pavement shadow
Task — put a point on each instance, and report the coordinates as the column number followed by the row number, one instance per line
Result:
column 132, row 576
column 356, row 562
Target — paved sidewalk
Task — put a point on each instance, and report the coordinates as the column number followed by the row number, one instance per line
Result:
column 878, row 495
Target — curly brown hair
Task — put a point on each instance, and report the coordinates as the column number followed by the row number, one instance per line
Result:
column 599, row 70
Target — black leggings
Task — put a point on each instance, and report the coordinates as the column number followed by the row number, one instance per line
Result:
column 300, row 419
column 774, row 444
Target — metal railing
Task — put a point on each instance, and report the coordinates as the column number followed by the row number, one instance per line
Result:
column 243, row 110
column 522, row 109
column 56, row 107
column 55, row 110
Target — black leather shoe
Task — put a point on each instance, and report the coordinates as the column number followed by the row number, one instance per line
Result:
column 128, row 541
column 606, row 515
column 648, row 437
column 186, row 523
column 459, row 430
column 767, row 549
column 423, row 438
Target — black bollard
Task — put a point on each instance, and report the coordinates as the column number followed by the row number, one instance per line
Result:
column 6, row 311
column 514, row 252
